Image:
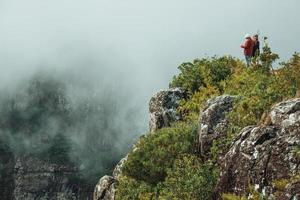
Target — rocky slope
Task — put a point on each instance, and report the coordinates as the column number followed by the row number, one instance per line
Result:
column 30, row 178
column 258, row 157
column 162, row 109
column 212, row 122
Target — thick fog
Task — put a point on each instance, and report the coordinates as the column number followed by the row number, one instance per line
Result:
column 141, row 41
column 123, row 51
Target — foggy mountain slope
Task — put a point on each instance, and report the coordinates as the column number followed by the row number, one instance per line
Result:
column 60, row 119
column 76, row 77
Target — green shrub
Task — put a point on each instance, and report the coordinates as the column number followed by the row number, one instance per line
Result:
column 288, row 76
column 156, row 152
column 259, row 91
column 189, row 179
column 266, row 58
column 130, row 189
column 229, row 196
column 257, row 96
column 280, row 184
column 193, row 105
column 204, row 72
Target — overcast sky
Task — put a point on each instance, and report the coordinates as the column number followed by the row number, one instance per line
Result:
column 140, row 42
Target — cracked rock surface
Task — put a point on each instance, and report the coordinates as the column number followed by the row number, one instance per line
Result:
column 212, row 122
column 262, row 154
column 105, row 188
column 162, row 108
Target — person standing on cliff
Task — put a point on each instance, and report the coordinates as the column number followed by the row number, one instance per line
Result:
column 248, row 48
column 256, row 46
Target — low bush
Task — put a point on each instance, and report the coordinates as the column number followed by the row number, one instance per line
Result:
column 155, row 153
column 131, row 189
column 190, row 179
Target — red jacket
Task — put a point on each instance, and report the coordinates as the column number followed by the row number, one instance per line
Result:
column 248, row 47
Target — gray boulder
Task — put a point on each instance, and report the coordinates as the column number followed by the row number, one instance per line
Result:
column 262, row 154
column 212, row 122
column 163, row 106
column 118, row 169
column 286, row 114
column 105, row 189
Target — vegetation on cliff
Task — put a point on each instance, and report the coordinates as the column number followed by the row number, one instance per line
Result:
column 166, row 165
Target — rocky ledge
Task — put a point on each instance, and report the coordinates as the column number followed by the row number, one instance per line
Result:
column 162, row 108
column 213, row 123
column 105, row 188
column 258, row 157
column 262, row 155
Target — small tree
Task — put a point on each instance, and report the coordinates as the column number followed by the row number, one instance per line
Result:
column 267, row 57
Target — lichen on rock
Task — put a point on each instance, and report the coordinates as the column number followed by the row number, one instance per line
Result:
column 105, row 189
column 163, row 108
column 262, row 154
column 212, row 122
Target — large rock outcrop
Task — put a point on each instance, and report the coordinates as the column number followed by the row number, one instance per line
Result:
column 163, row 111
column 162, row 108
column 105, row 188
column 212, row 122
column 261, row 155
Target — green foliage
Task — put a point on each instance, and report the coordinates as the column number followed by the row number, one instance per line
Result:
column 193, row 105
column 163, row 165
column 252, row 194
column 296, row 151
column 266, row 58
column 203, row 79
column 189, row 179
column 219, row 147
column 257, row 93
column 204, row 72
column 280, row 184
column 288, row 75
column 229, row 196
column 156, row 152
column 190, row 78
column 131, row 189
